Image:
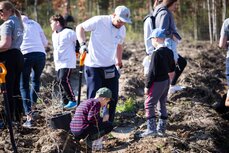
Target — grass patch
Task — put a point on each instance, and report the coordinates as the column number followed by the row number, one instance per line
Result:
column 125, row 106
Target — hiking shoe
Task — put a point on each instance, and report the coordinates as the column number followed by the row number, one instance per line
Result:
column 97, row 147
column 70, row 105
column 28, row 124
column 97, row 144
column 161, row 127
column 148, row 133
column 175, row 88
column 161, row 133
column 227, row 101
column 35, row 114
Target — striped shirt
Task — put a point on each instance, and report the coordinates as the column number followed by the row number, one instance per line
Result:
column 87, row 113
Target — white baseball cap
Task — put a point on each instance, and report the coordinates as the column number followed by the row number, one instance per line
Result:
column 123, row 13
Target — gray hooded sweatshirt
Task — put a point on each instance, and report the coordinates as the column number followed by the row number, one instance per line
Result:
column 165, row 20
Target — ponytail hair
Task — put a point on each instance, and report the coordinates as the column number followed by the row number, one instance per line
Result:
column 9, row 6
column 168, row 3
column 18, row 14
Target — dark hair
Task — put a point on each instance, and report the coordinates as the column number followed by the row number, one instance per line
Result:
column 59, row 18
column 9, row 6
column 168, row 3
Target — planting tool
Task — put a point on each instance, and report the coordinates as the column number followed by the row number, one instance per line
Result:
column 82, row 58
column 6, row 103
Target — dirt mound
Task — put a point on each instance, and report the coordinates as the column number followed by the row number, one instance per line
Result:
column 193, row 124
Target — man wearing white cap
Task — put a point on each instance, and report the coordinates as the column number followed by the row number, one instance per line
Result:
column 104, row 53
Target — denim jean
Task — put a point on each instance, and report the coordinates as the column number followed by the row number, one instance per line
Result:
column 227, row 70
column 30, row 83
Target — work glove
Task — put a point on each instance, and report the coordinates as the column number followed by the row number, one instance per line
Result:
column 146, row 91
column 119, row 70
column 83, row 48
column 118, row 67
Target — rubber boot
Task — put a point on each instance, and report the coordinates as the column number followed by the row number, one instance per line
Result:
column 161, row 127
column 151, row 128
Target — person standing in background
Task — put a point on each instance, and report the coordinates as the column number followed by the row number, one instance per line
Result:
column 33, row 50
column 148, row 29
column 104, row 57
column 11, row 33
column 165, row 20
column 224, row 37
column 64, row 41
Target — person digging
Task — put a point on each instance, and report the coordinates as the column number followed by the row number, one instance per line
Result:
column 87, row 122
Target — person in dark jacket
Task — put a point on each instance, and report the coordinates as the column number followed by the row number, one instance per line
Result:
column 157, row 84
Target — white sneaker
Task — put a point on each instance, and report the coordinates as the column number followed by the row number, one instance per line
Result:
column 175, row 88
column 97, row 144
column 148, row 133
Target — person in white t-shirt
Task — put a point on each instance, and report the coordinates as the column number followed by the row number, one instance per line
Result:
column 64, row 40
column 33, row 50
column 104, row 56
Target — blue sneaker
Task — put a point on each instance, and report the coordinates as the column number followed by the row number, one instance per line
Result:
column 70, row 105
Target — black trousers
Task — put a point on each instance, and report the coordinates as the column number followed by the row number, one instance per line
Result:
column 63, row 77
column 13, row 61
column 178, row 70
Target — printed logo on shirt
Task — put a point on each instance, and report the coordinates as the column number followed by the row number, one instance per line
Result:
column 20, row 32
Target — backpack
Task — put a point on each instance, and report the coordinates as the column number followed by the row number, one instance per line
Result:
column 153, row 18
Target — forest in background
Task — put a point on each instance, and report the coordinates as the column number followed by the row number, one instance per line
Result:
column 195, row 19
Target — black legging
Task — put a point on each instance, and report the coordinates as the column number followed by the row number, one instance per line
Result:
column 182, row 63
column 13, row 61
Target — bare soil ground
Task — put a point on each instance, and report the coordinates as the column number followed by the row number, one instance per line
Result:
column 197, row 122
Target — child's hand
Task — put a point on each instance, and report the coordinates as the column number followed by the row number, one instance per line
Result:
column 105, row 118
column 146, row 91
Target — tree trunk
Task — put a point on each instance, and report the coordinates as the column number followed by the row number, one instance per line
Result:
column 26, row 5
column 214, row 21
column 97, row 7
column 150, row 5
column 195, row 22
column 224, row 10
column 35, row 10
column 209, row 21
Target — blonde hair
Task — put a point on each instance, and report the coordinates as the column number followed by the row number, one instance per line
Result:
column 9, row 6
